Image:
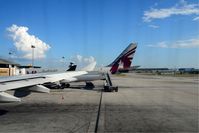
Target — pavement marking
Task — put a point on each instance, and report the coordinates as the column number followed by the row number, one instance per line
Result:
column 98, row 113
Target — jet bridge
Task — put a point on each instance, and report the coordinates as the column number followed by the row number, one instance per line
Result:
column 108, row 86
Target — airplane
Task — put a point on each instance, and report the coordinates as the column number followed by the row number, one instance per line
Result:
column 36, row 82
column 122, row 63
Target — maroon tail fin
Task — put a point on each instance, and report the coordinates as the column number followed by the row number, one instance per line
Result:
column 114, row 68
column 125, row 58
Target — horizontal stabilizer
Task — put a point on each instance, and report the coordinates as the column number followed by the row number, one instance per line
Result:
column 5, row 97
column 40, row 88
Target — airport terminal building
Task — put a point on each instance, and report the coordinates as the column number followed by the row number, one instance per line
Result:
column 10, row 68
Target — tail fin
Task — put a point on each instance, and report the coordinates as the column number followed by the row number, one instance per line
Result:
column 125, row 58
column 71, row 67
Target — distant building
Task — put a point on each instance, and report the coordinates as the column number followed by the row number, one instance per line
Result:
column 188, row 70
column 8, row 68
column 29, row 70
column 151, row 70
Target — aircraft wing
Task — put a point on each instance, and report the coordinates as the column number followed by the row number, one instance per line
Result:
column 33, row 83
column 10, row 83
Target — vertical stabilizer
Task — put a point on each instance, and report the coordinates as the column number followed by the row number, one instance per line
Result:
column 125, row 58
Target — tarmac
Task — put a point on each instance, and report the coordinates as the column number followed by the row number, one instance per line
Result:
column 143, row 104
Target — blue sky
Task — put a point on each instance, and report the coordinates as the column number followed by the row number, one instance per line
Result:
column 167, row 32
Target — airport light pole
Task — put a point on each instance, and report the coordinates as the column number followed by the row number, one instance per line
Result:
column 32, row 46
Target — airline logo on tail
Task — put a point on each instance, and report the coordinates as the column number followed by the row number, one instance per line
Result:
column 124, row 59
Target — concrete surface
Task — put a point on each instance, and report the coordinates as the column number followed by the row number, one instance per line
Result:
column 151, row 104
column 69, row 110
column 143, row 104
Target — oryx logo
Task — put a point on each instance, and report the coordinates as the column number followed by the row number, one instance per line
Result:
column 125, row 58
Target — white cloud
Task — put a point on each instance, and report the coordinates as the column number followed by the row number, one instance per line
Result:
column 196, row 19
column 159, row 45
column 181, row 8
column 190, row 43
column 79, row 58
column 23, row 41
column 154, row 26
column 84, row 62
column 82, row 59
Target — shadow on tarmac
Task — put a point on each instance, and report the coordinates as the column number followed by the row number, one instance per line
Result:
column 3, row 112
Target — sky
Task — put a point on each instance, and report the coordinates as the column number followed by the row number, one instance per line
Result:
column 167, row 31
